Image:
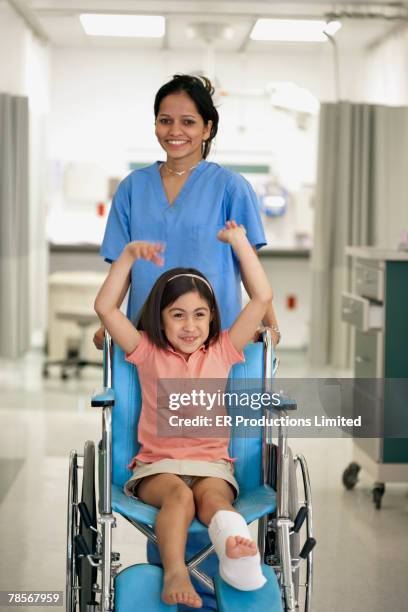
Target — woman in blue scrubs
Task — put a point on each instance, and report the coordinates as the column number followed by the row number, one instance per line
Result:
column 183, row 202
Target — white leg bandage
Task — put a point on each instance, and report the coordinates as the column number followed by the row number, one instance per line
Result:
column 245, row 573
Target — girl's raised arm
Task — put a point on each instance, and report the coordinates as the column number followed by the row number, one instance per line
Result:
column 251, row 316
column 123, row 332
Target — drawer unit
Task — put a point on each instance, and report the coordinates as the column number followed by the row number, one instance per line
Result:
column 368, row 361
column 377, row 312
column 361, row 313
column 370, row 279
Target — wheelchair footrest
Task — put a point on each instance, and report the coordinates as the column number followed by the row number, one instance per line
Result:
column 139, row 587
column 267, row 598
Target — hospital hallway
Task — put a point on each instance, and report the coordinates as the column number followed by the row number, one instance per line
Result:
column 361, row 557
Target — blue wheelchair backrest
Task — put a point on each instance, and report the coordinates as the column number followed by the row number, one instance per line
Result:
column 246, row 446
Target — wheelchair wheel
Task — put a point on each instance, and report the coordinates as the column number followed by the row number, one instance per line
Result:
column 86, row 573
column 272, row 553
column 293, row 510
column 72, row 530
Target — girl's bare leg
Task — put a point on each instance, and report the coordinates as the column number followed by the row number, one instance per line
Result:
column 211, row 495
column 175, row 500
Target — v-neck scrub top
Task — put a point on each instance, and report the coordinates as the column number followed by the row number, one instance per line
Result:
column 210, row 196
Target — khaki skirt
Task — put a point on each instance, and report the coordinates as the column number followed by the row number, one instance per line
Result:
column 189, row 470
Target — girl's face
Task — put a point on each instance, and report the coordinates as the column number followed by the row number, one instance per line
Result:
column 186, row 323
column 180, row 129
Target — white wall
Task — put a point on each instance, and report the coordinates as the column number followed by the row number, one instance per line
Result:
column 13, row 39
column 385, row 79
column 24, row 71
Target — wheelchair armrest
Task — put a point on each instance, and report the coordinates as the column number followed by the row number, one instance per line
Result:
column 104, row 397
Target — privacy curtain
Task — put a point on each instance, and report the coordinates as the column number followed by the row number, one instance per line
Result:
column 14, row 226
column 361, row 199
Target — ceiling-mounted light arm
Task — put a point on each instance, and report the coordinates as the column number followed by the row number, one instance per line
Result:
column 209, row 61
column 209, row 33
column 336, row 64
column 165, row 39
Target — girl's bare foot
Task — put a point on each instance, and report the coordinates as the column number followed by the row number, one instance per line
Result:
column 177, row 588
column 237, row 547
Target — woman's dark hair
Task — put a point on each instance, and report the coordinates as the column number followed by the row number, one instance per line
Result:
column 200, row 91
column 165, row 292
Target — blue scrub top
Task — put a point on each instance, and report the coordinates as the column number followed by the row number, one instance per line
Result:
column 210, row 196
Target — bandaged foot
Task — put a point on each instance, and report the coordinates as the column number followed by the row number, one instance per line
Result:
column 240, row 563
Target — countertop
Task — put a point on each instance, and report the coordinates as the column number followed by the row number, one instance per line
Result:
column 376, row 253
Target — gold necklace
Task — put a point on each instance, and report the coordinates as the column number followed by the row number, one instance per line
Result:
column 179, row 172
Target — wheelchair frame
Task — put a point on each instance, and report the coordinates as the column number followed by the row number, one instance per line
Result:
column 274, row 531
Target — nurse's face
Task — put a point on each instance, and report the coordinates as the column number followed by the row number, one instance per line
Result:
column 186, row 323
column 180, row 129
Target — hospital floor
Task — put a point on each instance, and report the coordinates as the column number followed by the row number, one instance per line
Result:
column 361, row 557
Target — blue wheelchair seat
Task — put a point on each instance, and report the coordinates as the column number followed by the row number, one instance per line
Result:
column 251, row 504
column 255, row 499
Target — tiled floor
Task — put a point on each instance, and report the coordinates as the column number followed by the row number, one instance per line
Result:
column 361, row 558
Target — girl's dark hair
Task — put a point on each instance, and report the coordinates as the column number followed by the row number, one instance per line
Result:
column 200, row 91
column 166, row 292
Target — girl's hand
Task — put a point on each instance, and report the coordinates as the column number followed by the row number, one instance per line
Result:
column 99, row 338
column 231, row 232
column 275, row 334
column 146, row 250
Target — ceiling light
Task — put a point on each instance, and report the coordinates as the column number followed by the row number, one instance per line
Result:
column 138, row 26
column 291, row 30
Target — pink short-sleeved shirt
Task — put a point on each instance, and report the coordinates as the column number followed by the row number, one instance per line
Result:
column 155, row 363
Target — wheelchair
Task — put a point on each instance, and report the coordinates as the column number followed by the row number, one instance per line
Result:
column 268, row 475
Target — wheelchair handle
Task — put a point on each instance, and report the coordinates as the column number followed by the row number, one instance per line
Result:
column 300, row 519
column 107, row 361
column 308, row 546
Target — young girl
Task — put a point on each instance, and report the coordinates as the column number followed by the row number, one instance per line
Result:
column 178, row 336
